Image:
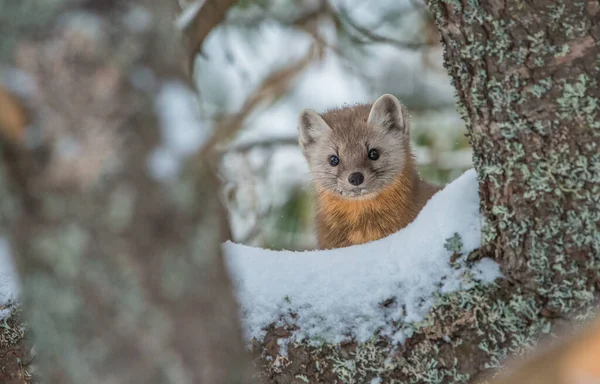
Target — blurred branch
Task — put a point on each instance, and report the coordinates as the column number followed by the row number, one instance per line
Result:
column 342, row 19
column 305, row 17
column 357, row 33
column 197, row 20
column 257, row 228
column 13, row 116
column 419, row 5
column 267, row 144
column 271, row 88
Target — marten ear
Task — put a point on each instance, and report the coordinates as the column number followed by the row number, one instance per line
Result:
column 311, row 128
column 388, row 112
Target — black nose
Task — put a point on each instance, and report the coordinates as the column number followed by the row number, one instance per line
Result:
column 356, row 178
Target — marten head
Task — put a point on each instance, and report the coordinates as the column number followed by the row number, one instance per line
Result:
column 356, row 151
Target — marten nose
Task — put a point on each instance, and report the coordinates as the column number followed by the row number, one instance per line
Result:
column 356, row 178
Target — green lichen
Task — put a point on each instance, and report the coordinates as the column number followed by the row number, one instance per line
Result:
column 366, row 362
column 454, row 243
column 543, row 184
column 502, row 327
column 540, row 87
column 51, row 319
column 423, row 366
column 557, row 176
column 575, row 104
column 495, row 324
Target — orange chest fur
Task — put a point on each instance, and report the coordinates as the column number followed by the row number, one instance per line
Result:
column 349, row 222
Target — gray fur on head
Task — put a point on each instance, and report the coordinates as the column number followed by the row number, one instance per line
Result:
column 312, row 127
column 350, row 133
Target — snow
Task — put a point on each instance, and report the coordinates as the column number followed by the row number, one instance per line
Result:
column 337, row 293
column 9, row 282
column 283, row 343
column 487, row 269
column 182, row 131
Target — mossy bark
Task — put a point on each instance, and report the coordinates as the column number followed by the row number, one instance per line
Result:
column 122, row 273
column 527, row 75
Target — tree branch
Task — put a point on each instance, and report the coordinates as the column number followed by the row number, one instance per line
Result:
column 201, row 18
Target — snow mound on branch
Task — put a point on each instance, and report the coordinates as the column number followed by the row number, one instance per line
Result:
column 337, row 294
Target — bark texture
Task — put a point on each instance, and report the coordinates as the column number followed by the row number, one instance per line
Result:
column 122, row 273
column 527, row 75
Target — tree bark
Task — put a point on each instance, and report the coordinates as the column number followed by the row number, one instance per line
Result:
column 527, row 75
column 122, row 271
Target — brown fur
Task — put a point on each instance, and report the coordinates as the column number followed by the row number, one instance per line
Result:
column 341, row 222
column 391, row 194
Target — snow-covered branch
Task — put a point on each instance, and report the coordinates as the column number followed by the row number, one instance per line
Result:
column 339, row 295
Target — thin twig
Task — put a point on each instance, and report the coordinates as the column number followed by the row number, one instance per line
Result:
column 341, row 19
column 303, row 19
column 266, row 144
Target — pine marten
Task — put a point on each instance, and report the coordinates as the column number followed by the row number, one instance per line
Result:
column 363, row 170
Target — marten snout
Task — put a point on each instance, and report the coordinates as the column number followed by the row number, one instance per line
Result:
column 356, row 178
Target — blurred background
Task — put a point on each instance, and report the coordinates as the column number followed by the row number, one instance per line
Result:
column 367, row 48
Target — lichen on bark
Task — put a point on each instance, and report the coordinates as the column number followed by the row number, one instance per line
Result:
column 526, row 76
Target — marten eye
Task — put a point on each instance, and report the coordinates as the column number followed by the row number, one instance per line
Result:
column 373, row 154
column 334, row 160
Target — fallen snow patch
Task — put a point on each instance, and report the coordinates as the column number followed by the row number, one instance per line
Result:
column 338, row 293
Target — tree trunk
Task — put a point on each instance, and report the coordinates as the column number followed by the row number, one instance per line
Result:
column 114, row 222
column 527, row 75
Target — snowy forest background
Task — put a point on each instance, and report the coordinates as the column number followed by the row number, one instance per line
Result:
column 372, row 49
